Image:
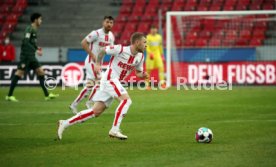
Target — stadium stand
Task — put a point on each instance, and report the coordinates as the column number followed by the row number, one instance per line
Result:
column 210, row 33
column 65, row 22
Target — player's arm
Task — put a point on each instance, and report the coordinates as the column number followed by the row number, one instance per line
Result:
column 140, row 70
column 142, row 74
column 111, row 50
column 93, row 36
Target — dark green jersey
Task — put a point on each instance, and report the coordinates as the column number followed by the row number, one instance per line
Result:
column 29, row 43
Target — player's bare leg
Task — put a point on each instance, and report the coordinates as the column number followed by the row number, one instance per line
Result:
column 41, row 77
column 18, row 74
column 82, row 116
column 120, row 113
column 148, row 86
column 83, row 93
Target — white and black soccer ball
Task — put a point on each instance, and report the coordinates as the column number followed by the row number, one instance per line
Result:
column 204, row 135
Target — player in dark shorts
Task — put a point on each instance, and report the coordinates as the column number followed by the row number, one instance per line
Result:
column 28, row 60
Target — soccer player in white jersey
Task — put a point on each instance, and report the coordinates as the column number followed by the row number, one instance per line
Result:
column 92, row 44
column 123, row 61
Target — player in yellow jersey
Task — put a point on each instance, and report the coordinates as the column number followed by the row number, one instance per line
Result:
column 155, row 55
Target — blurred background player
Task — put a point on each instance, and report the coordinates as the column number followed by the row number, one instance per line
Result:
column 92, row 44
column 123, row 61
column 28, row 60
column 7, row 51
column 155, row 55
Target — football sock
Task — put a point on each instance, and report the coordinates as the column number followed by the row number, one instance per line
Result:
column 13, row 84
column 94, row 90
column 161, row 74
column 80, row 117
column 83, row 93
column 120, row 113
column 42, row 84
column 148, row 80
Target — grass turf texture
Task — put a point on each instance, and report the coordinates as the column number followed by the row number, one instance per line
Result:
column 160, row 126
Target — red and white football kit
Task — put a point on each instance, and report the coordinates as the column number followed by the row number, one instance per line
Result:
column 121, row 64
column 97, row 39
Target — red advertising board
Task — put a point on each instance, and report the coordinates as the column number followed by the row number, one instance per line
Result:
column 259, row 73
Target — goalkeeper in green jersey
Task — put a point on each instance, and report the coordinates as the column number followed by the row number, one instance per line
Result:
column 28, row 60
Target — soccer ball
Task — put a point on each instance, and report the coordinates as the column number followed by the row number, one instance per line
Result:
column 204, row 135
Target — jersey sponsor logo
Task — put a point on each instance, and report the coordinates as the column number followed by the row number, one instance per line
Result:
column 72, row 74
column 103, row 44
column 125, row 66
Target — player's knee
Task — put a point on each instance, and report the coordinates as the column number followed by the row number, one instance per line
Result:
column 19, row 73
column 89, row 84
column 129, row 101
column 40, row 72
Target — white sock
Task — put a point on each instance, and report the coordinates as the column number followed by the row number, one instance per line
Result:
column 83, row 93
column 80, row 117
column 120, row 113
column 94, row 90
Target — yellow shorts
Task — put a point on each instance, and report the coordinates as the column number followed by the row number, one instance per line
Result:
column 155, row 63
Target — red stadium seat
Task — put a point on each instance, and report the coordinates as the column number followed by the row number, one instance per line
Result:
column 241, row 42
column 205, row 34
column 215, row 42
column 230, row 2
column 243, row 2
column 215, row 7
column 127, row 2
column 125, row 10
column 18, row 10
column 255, row 7
column 231, row 35
column 255, row 42
column 192, row 35
column 9, row 2
column 189, row 42
column 228, row 7
column 153, row 1
column 201, row 42
column 245, row 34
column 118, row 27
column 164, row 9
column 143, row 27
column 176, row 8
column 130, row 27
column 191, row 3
column 146, row 19
column 178, row 42
column 138, row 11
column 121, row 19
column 134, row 19
column 189, row 8
column 140, row 3
column 202, row 8
column 178, row 3
column 258, row 34
column 268, row 7
column 167, row 2
column 241, row 7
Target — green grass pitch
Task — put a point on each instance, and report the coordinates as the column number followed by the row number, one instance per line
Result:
column 160, row 126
